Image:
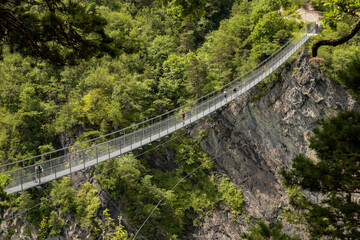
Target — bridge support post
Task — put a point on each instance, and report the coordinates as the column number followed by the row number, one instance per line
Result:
column 168, row 120
column 108, row 149
column 68, row 158
column 70, row 166
column 83, row 155
column 160, row 127
column 51, row 164
column 175, row 121
column 188, row 115
column 151, row 126
column 307, row 28
column 143, row 134
column 119, row 142
column 120, row 145
column 209, row 106
column 51, row 167
column 131, row 141
column 21, row 180
column 196, row 111
column 96, row 154
column 124, row 140
column 214, row 99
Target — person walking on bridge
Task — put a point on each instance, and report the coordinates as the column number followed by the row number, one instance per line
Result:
column 38, row 170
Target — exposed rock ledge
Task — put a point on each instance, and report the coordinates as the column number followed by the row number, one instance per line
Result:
column 260, row 138
column 263, row 137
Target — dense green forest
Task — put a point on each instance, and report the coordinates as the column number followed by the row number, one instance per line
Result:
column 336, row 176
column 163, row 63
column 150, row 58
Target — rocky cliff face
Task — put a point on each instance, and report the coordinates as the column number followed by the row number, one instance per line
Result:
column 262, row 136
column 258, row 138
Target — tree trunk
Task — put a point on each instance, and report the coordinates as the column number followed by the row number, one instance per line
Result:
column 336, row 42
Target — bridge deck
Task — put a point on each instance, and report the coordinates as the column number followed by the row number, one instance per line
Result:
column 77, row 160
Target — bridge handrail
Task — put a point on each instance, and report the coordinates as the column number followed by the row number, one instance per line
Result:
column 23, row 178
column 152, row 120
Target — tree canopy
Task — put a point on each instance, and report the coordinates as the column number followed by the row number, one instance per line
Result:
column 189, row 8
column 337, row 10
column 56, row 30
column 336, row 177
column 262, row 231
column 164, row 60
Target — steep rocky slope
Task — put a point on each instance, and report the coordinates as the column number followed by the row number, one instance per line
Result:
column 261, row 136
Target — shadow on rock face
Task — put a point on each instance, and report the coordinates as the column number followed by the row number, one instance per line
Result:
column 261, row 137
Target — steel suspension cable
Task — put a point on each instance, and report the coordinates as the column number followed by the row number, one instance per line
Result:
column 181, row 180
column 99, row 174
column 79, row 158
column 161, row 115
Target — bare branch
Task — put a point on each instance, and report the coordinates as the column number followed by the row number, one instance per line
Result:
column 336, row 42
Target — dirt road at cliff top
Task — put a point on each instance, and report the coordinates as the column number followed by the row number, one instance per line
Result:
column 308, row 14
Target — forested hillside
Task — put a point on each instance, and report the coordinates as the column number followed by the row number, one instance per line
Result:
column 145, row 58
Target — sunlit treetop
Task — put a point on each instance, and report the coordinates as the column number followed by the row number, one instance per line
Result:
column 190, row 8
column 336, row 10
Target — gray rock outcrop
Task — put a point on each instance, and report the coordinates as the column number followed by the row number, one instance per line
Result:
column 262, row 136
column 257, row 137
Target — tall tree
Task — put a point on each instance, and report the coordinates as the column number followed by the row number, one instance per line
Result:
column 56, row 30
column 336, row 177
column 195, row 70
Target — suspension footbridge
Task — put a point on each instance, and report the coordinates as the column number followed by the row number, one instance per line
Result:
column 74, row 158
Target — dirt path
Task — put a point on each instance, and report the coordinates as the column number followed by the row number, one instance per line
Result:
column 308, row 14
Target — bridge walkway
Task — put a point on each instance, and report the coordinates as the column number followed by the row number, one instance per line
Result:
column 66, row 161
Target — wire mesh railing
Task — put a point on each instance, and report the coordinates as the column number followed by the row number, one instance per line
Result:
column 65, row 161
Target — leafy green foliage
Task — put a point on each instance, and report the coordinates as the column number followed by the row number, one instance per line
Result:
column 56, row 223
column 262, row 7
column 269, row 35
column 337, row 10
column 336, row 176
column 191, row 8
column 318, row 5
column 43, row 228
column 231, row 195
column 66, row 202
column 110, row 231
column 350, row 75
column 87, row 205
column 59, row 31
column 341, row 61
column 165, row 58
column 4, row 199
column 138, row 190
column 41, row 104
column 195, row 71
column 267, row 27
column 198, row 193
column 262, row 231
column 294, row 194
column 132, row 188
